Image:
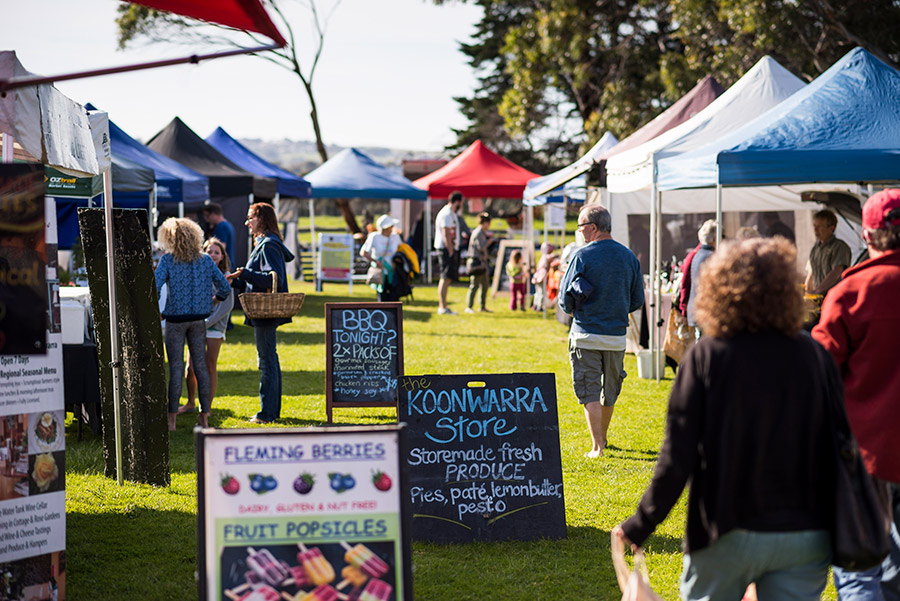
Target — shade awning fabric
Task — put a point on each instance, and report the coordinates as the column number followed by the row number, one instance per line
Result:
column 697, row 99
column 543, row 189
column 247, row 15
column 477, row 172
column 842, row 127
column 174, row 182
column 288, row 184
column 353, row 174
column 764, row 86
column 51, row 127
column 179, row 142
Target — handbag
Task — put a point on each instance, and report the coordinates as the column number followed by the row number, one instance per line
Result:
column 271, row 305
column 474, row 266
column 634, row 584
column 860, row 522
column 679, row 335
column 375, row 275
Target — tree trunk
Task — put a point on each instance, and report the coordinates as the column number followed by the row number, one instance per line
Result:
column 342, row 203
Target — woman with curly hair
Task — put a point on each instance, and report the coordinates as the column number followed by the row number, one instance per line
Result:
column 216, row 325
column 268, row 255
column 189, row 275
column 748, row 428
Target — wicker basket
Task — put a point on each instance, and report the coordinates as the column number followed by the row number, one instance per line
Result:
column 271, row 305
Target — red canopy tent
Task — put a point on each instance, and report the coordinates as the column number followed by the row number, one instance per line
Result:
column 477, row 172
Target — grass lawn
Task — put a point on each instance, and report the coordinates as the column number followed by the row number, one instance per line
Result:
column 139, row 542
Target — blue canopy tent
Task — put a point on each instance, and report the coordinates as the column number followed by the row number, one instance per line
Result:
column 175, row 183
column 288, row 184
column 353, row 174
column 842, row 127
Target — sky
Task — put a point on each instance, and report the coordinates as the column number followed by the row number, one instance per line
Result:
column 387, row 75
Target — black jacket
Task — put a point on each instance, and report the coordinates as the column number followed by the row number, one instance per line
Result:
column 748, row 428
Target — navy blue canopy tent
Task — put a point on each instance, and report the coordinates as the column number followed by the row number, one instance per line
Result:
column 288, row 184
column 353, row 174
column 175, row 183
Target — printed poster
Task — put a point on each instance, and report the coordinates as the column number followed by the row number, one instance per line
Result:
column 32, row 415
column 287, row 512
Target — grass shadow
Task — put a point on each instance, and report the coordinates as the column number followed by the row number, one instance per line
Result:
column 634, row 454
column 245, row 382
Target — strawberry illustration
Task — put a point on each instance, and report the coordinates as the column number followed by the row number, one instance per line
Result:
column 230, row 484
column 381, row 480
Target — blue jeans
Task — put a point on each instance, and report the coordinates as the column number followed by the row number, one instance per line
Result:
column 270, row 373
column 788, row 566
column 881, row 583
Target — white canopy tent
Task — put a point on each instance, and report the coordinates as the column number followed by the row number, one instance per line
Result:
column 764, row 86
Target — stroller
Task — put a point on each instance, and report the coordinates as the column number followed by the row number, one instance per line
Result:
column 404, row 269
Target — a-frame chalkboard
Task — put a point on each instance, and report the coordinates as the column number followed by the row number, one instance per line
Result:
column 484, row 457
column 363, row 354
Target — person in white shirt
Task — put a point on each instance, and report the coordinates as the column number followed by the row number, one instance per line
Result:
column 446, row 240
column 383, row 243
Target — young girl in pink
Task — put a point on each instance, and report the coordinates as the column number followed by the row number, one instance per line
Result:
column 517, row 280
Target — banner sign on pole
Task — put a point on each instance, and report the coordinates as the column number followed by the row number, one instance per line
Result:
column 336, row 257
column 32, row 415
column 484, row 457
column 285, row 513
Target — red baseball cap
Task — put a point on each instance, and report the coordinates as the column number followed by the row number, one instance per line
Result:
column 875, row 211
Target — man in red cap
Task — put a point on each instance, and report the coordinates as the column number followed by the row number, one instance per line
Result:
column 860, row 326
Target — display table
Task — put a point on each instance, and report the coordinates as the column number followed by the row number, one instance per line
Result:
column 81, row 373
column 81, row 381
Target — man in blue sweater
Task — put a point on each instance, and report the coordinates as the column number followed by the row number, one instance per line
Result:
column 601, row 286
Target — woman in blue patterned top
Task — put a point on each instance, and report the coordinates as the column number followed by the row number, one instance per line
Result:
column 189, row 274
column 268, row 255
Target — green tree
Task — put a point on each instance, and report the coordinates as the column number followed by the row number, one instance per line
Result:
column 558, row 73
column 612, row 65
column 726, row 37
column 137, row 22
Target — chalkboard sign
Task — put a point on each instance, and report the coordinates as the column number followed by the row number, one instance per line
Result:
column 364, row 354
column 484, row 457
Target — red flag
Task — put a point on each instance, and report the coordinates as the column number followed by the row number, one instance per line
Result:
column 247, row 15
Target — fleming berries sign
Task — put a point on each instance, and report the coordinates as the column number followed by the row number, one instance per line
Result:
column 286, row 513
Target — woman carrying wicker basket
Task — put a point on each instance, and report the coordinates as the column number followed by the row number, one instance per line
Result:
column 269, row 255
column 188, row 273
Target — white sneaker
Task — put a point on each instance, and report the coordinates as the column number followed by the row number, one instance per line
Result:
column 446, row 311
column 469, row 310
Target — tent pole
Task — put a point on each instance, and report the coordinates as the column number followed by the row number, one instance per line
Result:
column 114, row 362
column 657, row 204
column 154, row 215
column 426, row 251
column 181, row 209
column 719, row 232
column 7, row 148
column 249, row 235
column 651, row 312
column 312, row 241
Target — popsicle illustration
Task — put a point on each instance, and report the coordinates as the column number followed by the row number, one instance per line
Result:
column 299, row 578
column 318, row 570
column 324, row 592
column 361, row 558
column 376, row 590
column 265, row 565
column 352, row 576
column 263, row 592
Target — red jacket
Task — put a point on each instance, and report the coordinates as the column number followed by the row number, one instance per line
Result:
column 860, row 326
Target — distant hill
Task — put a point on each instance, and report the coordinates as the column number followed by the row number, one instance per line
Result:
column 301, row 156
